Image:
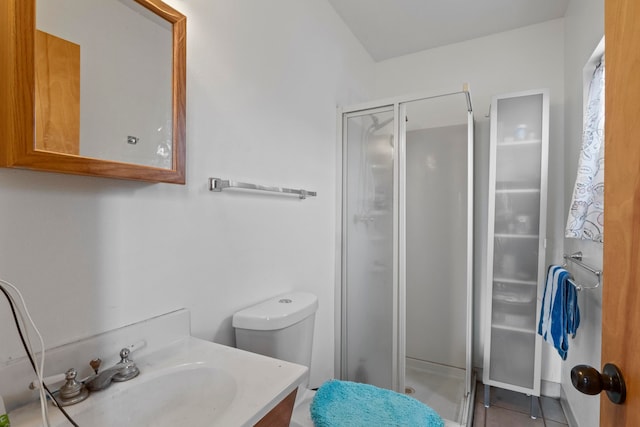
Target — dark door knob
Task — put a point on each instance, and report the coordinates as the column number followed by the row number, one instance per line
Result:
column 588, row 380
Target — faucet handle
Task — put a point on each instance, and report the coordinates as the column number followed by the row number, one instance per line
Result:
column 124, row 355
column 129, row 371
column 95, row 364
column 72, row 391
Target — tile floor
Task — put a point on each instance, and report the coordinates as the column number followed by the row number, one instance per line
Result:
column 510, row 409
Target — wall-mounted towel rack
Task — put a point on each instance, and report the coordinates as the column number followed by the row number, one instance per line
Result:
column 217, row 184
column 576, row 258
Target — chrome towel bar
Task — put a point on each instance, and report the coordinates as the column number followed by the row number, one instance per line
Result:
column 576, row 258
column 217, row 185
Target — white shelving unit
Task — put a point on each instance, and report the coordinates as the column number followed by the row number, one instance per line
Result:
column 516, row 241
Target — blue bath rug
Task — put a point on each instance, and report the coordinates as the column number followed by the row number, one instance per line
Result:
column 348, row 404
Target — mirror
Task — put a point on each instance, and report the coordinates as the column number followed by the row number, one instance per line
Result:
column 95, row 87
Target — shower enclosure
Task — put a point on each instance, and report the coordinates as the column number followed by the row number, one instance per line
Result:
column 406, row 278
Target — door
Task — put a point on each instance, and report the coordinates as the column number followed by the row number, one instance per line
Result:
column 436, row 237
column 372, row 291
column 369, row 291
column 621, row 291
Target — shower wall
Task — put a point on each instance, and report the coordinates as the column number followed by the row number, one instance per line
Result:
column 436, row 200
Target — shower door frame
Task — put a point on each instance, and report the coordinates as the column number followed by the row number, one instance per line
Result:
column 398, row 104
column 397, row 380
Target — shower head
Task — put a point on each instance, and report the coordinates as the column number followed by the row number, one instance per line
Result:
column 377, row 125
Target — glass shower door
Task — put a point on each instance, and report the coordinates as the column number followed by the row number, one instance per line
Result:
column 369, row 350
column 436, row 252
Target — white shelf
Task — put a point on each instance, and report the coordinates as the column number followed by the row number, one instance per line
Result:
column 514, row 281
column 517, row 202
column 517, row 190
column 511, row 301
column 516, row 236
column 513, row 328
column 519, row 143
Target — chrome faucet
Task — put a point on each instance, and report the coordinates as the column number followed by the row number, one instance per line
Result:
column 124, row 370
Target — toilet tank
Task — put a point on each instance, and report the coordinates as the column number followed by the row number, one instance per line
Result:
column 281, row 327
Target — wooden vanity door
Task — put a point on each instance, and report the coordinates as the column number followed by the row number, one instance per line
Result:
column 57, row 97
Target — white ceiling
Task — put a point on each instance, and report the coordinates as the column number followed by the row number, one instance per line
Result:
column 390, row 28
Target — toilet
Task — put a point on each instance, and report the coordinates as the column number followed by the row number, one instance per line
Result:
column 282, row 327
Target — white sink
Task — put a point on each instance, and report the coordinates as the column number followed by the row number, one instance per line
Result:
column 188, row 383
column 169, row 399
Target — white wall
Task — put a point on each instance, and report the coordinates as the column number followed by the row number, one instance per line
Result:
column 584, row 27
column 263, row 82
column 527, row 58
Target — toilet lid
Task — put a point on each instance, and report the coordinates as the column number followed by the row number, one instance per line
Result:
column 277, row 313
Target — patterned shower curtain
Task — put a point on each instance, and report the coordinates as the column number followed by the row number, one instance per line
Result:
column 586, row 215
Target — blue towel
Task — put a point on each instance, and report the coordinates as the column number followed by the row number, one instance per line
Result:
column 559, row 314
column 343, row 403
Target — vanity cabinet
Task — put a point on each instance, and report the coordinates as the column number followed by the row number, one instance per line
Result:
column 516, row 241
column 280, row 416
column 57, row 94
